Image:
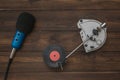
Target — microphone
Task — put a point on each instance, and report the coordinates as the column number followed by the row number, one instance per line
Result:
column 24, row 26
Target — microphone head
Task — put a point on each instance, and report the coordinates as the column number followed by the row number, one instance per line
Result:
column 25, row 22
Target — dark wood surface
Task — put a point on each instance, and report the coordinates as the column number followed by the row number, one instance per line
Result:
column 56, row 24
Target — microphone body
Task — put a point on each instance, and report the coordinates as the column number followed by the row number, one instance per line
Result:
column 18, row 39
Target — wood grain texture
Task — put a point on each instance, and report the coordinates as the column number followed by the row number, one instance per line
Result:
column 58, row 4
column 64, row 76
column 56, row 24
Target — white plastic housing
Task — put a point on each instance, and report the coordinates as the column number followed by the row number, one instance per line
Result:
column 87, row 26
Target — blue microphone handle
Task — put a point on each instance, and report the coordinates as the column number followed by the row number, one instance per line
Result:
column 17, row 42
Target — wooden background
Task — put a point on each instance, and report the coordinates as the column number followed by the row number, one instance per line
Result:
column 56, row 24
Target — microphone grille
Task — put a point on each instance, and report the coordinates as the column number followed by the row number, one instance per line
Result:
column 25, row 22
